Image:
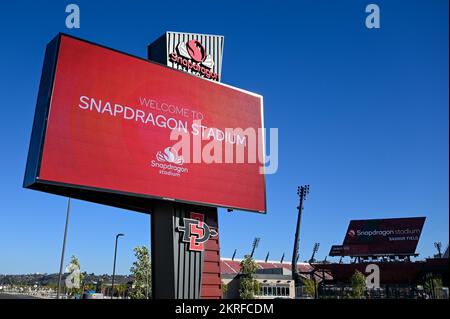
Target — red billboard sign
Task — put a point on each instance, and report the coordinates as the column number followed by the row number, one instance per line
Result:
column 394, row 236
column 108, row 125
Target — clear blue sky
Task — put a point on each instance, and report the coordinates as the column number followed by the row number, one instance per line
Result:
column 362, row 117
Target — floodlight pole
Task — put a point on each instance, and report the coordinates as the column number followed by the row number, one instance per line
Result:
column 438, row 246
column 315, row 249
column 255, row 245
column 61, row 264
column 234, row 254
column 302, row 191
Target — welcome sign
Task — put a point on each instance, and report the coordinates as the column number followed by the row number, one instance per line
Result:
column 110, row 122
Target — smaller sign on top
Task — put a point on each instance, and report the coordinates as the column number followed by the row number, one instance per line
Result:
column 198, row 54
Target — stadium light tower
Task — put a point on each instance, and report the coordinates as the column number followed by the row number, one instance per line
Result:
column 234, row 254
column 302, row 191
column 255, row 245
column 315, row 250
column 438, row 246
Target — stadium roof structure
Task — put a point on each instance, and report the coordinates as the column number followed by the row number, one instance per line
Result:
column 231, row 267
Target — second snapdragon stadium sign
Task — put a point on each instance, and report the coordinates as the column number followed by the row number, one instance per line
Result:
column 116, row 125
column 381, row 237
column 198, row 54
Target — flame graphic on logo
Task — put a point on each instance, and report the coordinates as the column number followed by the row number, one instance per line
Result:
column 170, row 156
column 206, row 59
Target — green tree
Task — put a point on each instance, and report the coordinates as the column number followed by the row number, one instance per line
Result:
column 88, row 287
column 433, row 285
column 358, row 281
column 121, row 289
column 224, row 289
column 141, row 271
column 309, row 286
column 248, row 285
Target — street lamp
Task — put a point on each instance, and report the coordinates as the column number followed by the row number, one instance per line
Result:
column 114, row 265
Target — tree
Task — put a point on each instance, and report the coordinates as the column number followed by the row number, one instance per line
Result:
column 224, row 289
column 248, row 285
column 310, row 286
column 358, row 284
column 432, row 285
column 89, row 287
column 141, row 271
column 121, row 289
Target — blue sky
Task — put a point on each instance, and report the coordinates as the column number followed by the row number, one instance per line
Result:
column 362, row 117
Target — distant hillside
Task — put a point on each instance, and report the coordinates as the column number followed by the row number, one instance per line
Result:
column 52, row 279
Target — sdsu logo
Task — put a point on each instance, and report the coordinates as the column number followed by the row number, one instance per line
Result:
column 192, row 57
column 196, row 232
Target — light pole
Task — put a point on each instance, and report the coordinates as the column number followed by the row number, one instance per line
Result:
column 315, row 250
column 438, row 246
column 255, row 245
column 302, row 191
column 114, row 265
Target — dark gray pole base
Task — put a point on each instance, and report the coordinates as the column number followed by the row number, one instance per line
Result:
column 176, row 270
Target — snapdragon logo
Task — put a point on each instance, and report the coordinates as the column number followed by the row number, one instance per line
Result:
column 192, row 57
column 171, row 156
column 165, row 160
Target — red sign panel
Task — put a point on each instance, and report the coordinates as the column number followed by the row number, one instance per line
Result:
column 382, row 236
column 109, row 128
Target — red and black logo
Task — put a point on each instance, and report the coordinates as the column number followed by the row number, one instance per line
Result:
column 196, row 51
column 196, row 232
column 192, row 57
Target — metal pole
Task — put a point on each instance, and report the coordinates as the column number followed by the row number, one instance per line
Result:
column 255, row 245
column 114, row 266
column 253, row 251
column 63, row 248
column 301, row 191
column 234, row 254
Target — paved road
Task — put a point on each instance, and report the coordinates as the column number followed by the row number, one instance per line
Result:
column 8, row 296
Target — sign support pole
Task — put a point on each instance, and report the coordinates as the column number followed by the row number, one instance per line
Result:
column 61, row 264
column 177, row 270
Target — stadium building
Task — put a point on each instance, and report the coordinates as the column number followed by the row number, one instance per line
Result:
column 398, row 279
